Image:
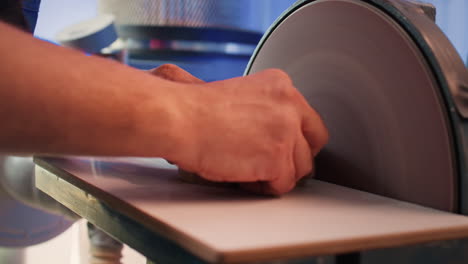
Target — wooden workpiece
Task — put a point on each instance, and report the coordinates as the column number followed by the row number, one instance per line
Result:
column 146, row 206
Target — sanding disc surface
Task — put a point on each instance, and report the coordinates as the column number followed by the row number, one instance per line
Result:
column 374, row 90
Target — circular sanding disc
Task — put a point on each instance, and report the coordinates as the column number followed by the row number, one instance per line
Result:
column 366, row 77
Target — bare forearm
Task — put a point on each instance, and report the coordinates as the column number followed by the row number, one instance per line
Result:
column 57, row 101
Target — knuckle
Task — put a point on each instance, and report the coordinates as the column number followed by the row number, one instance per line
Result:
column 279, row 189
column 278, row 148
column 279, row 75
column 280, row 135
column 285, row 92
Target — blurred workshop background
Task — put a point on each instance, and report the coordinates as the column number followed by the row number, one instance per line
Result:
column 249, row 15
column 214, row 41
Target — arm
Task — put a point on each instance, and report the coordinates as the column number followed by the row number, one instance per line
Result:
column 256, row 129
column 57, row 101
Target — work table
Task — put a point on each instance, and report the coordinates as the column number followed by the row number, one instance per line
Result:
column 145, row 205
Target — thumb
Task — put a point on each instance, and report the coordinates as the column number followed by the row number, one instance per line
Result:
column 174, row 73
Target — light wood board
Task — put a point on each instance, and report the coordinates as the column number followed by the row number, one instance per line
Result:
column 222, row 225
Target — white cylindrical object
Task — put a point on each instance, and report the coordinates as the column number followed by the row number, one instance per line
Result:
column 91, row 35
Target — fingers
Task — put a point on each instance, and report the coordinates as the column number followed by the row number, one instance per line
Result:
column 174, row 73
column 303, row 159
column 277, row 187
column 285, row 181
column 313, row 128
column 253, row 170
column 284, row 177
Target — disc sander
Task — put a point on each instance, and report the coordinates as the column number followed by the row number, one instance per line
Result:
column 390, row 132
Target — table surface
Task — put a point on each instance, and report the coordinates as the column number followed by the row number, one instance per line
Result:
column 226, row 225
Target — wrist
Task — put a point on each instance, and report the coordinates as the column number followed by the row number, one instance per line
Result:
column 160, row 121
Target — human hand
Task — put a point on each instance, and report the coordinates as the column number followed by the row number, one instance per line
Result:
column 257, row 130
